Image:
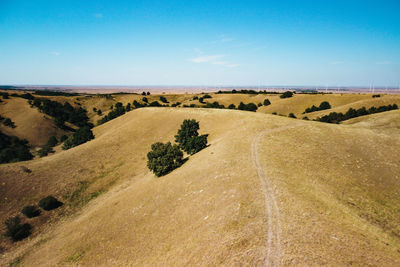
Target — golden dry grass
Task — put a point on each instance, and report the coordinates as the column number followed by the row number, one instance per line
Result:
column 32, row 125
column 336, row 187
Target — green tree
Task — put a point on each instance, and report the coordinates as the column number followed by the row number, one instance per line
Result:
column 188, row 137
column 164, row 158
column 52, row 142
column 324, row 105
column 15, row 230
column 286, row 94
column 267, row 102
column 82, row 135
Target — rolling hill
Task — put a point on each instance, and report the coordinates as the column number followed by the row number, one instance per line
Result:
column 268, row 189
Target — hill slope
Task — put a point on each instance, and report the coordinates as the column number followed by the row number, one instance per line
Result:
column 32, row 125
column 332, row 192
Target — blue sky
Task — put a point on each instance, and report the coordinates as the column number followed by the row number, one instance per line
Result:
column 334, row 43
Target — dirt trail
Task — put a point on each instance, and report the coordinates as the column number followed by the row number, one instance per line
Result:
column 274, row 250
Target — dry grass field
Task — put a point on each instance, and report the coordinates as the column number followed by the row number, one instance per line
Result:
column 268, row 189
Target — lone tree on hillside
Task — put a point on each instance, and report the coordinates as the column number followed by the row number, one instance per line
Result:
column 164, row 158
column 286, row 94
column 267, row 102
column 189, row 139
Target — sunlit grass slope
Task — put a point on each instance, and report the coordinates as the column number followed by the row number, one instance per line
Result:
column 336, row 187
column 30, row 124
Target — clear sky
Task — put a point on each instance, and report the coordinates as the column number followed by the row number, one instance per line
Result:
column 66, row 42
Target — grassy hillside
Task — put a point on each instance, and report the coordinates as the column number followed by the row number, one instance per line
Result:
column 31, row 124
column 334, row 185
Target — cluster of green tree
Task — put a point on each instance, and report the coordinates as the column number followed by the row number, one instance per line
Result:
column 335, row 117
column 248, row 107
column 18, row 231
column 375, row 96
column 248, row 92
column 144, row 93
column 116, row 111
column 323, row 106
column 206, row 96
column 189, row 139
column 13, row 149
column 82, row 135
column 7, row 122
column 62, row 113
column 164, row 158
column 286, row 94
column 4, row 95
column 54, row 93
column 163, row 99
column 176, row 104
column 215, row 104
column 48, row 148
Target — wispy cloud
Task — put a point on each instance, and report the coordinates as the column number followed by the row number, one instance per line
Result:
column 222, row 39
column 213, row 59
column 226, row 64
column 54, row 53
column 202, row 59
column 98, row 15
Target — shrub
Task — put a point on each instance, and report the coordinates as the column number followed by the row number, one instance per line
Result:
column 215, row 104
column 248, row 107
column 31, row 211
column 8, row 122
column 44, row 151
column 63, row 138
column 206, row 96
column 143, row 93
column 195, row 97
column 17, row 231
column 99, row 112
column 49, row 203
column 286, row 94
column 13, row 149
column 145, row 100
column 259, row 105
column 164, row 158
column 335, row 117
column 82, row 135
column 324, row 105
column 188, row 137
column 52, row 141
column 137, row 104
column 291, row 115
column 155, row 104
column 374, row 96
column 232, row 106
column 267, row 102
column 128, row 107
column 163, row 99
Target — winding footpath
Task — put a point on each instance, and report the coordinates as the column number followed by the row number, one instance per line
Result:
column 273, row 255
